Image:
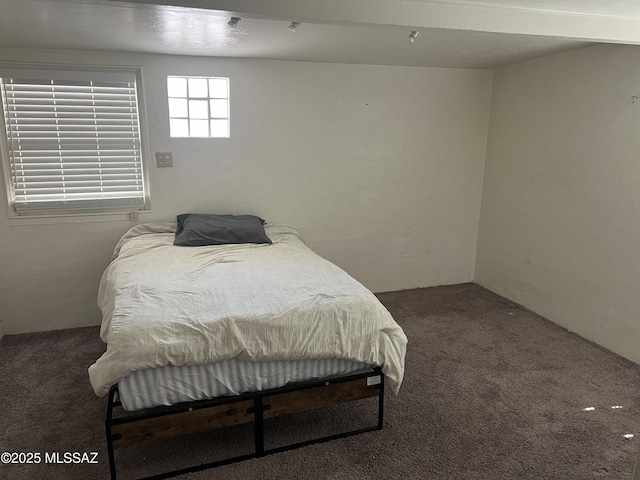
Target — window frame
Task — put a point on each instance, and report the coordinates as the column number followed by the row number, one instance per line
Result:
column 5, row 160
column 208, row 99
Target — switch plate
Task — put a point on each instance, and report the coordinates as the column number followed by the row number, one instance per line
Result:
column 164, row 159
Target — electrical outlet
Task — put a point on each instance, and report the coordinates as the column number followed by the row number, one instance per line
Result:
column 133, row 216
column 164, row 159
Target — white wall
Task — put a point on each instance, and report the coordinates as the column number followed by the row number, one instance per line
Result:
column 380, row 168
column 560, row 221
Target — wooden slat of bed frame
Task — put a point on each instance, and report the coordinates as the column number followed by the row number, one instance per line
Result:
column 212, row 418
column 185, row 423
column 318, row 397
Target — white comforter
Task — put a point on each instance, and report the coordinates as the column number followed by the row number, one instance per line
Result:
column 169, row 305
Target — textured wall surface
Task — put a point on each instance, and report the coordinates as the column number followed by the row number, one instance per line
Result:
column 380, row 168
column 560, row 221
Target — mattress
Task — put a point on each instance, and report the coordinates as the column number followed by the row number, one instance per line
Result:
column 170, row 385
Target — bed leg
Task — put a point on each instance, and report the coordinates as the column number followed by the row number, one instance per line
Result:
column 258, row 426
column 381, row 402
column 107, row 424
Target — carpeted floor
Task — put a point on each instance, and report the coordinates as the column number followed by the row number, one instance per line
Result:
column 491, row 391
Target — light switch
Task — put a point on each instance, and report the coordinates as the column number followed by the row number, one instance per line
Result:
column 164, row 159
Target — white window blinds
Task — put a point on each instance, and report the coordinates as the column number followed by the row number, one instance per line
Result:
column 74, row 142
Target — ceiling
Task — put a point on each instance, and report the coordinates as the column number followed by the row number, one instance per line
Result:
column 595, row 7
column 452, row 33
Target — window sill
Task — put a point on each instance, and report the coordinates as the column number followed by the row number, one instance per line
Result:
column 41, row 219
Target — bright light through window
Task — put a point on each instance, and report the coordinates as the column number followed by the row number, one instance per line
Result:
column 198, row 106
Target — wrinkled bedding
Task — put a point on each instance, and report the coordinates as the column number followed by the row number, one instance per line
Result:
column 169, row 305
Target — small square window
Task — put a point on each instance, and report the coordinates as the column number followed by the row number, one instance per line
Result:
column 198, row 109
column 219, row 128
column 219, row 108
column 178, row 108
column 198, row 106
column 198, row 128
column 177, row 87
column 198, row 87
column 219, row 87
column 179, row 127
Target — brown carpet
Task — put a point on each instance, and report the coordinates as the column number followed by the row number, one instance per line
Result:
column 491, row 391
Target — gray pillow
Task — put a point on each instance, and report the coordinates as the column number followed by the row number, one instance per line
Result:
column 196, row 230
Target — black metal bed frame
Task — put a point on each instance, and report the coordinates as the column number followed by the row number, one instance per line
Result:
column 258, row 409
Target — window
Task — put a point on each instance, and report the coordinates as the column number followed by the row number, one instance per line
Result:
column 198, row 106
column 73, row 141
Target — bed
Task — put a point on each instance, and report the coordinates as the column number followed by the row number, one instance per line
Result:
column 234, row 333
